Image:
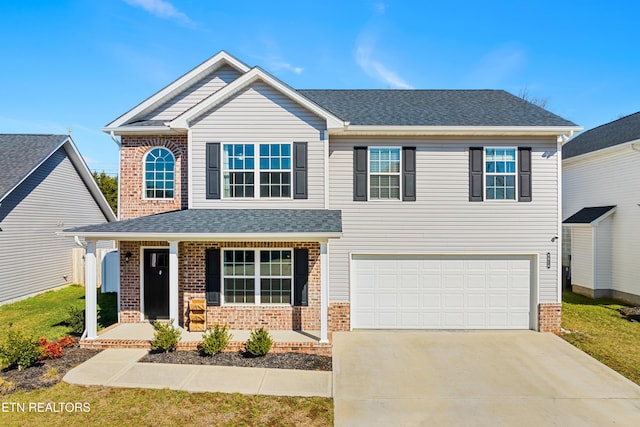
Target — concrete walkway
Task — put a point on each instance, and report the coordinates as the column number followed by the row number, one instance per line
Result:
column 493, row 379
column 120, row 368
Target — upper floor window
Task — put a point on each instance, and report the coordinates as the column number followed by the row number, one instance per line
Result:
column 500, row 173
column 159, row 174
column 384, row 173
column 241, row 173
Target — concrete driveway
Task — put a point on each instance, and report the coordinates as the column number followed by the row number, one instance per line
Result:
column 501, row 378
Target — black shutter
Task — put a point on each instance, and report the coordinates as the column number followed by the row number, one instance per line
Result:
column 300, row 277
column 524, row 174
column 409, row 174
column 213, row 170
column 212, row 276
column 360, row 173
column 476, row 183
column 300, row 170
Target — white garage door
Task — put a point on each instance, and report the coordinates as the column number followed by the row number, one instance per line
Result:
column 429, row 292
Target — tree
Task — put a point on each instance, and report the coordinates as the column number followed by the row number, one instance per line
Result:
column 109, row 187
column 540, row 102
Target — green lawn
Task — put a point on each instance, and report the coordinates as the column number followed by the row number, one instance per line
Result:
column 44, row 315
column 596, row 327
column 139, row 407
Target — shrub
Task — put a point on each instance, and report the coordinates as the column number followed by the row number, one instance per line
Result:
column 67, row 341
column 50, row 350
column 165, row 336
column 259, row 342
column 75, row 321
column 215, row 340
column 20, row 350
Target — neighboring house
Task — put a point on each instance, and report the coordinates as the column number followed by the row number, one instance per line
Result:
column 45, row 187
column 334, row 210
column 601, row 195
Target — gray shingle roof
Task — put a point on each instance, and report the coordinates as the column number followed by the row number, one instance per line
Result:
column 587, row 215
column 21, row 153
column 225, row 221
column 613, row 133
column 433, row 108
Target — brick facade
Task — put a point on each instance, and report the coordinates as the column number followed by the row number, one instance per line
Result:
column 132, row 203
column 550, row 317
column 191, row 284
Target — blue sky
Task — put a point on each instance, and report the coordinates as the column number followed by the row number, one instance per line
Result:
column 79, row 64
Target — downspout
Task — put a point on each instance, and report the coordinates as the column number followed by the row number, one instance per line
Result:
column 562, row 139
column 113, row 137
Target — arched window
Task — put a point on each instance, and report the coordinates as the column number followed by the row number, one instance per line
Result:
column 159, row 175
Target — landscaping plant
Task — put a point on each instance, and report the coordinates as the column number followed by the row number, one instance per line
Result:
column 20, row 350
column 50, row 350
column 165, row 336
column 259, row 342
column 215, row 340
column 75, row 321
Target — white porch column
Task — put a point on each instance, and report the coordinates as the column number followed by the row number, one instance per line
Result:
column 173, row 283
column 324, row 293
column 90, row 293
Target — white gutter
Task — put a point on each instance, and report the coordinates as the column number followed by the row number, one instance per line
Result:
column 151, row 236
column 79, row 242
column 457, row 130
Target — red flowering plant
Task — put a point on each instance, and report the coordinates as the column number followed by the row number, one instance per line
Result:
column 50, row 350
column 67, row 341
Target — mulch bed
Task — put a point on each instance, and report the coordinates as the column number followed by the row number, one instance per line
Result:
column 310, row 362
column 42, row 374
column 47, row 373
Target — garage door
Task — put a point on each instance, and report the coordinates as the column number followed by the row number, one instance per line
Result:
column 428, row 292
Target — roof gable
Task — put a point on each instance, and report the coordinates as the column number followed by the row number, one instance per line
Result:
column 610, row 134
column 22, row 154
column 194, row 76
column 244, row 81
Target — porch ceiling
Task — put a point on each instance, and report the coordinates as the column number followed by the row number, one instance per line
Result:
column 221, row 224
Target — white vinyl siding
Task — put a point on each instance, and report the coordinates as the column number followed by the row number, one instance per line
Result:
column 605, row 179
column 602, row 254
column 201, row 89
column 442, row 220
column 258, row 115
column 51, row 199
column 582, row 257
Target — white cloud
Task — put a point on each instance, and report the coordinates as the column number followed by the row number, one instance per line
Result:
column 498, row 65
column 276, row 65
column 272, row 58
column 379, row 8
column 161, row 9
column 373, row 67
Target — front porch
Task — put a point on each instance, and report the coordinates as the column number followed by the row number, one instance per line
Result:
column 139, row 335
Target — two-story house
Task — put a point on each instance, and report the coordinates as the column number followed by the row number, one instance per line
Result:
column 333, row 210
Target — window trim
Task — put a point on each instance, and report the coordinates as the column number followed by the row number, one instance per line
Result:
column 399, row 173
column 256, row 278
column 144, row 173
column 486, row 174
column 256, row 171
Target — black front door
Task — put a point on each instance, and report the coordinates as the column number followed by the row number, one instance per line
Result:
column 156, row 283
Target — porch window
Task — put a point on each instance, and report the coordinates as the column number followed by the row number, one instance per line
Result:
column 241, row 272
